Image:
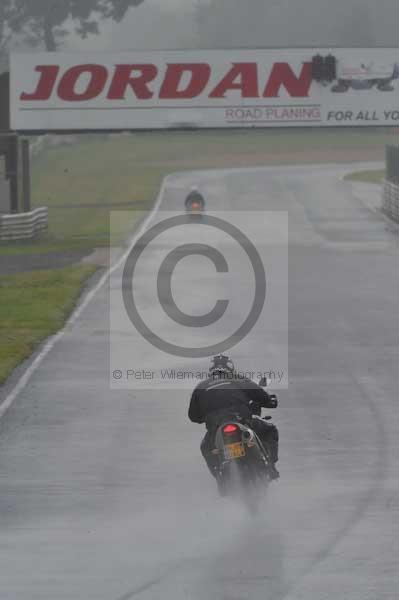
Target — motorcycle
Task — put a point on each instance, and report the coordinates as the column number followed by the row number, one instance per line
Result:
column 245, row 465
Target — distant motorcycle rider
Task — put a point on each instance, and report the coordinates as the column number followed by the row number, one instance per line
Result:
column 225, row 393
column 194, row 197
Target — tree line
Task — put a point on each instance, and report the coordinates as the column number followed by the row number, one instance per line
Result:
column 45, row 23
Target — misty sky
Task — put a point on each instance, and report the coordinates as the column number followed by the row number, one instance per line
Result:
column 155, row 23
column 171, row 3
column 169, row 24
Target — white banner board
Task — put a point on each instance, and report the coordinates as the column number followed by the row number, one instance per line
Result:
column 202, row 88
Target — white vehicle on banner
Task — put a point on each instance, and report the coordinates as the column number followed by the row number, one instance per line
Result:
column 366, row 75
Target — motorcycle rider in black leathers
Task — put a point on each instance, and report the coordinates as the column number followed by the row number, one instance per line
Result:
column 225, row 393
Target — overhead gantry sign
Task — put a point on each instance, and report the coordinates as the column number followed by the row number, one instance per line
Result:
column 204, row 88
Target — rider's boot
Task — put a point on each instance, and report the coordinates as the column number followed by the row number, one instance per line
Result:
column 273, row 471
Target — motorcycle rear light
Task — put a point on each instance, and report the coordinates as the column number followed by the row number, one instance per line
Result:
column 230, row 429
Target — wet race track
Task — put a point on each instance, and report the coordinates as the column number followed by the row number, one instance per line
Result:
column 104, row 495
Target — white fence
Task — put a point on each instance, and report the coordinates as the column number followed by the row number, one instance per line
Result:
column 390, row 200
column 23, row 226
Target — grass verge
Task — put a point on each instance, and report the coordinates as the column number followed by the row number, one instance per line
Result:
column 33, row 306
column 376, row 177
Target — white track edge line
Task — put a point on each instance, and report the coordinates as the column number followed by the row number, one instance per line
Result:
column 54, row 339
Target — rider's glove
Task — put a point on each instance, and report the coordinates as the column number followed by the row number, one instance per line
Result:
column 272, row 402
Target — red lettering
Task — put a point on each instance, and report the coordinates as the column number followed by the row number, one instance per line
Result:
column 247, row 76
column 282, row 74
column 67, row 87
column 139, row 84
column 199, row 77
column 45, row 86
column 181, row 81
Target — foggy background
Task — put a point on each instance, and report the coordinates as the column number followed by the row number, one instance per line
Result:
column 168, row 24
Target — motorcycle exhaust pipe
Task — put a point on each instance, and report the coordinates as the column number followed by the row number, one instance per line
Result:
column 249, row 438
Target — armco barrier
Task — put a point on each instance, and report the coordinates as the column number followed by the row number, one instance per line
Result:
column 392, row 163
column 23, row 226
column 390, row 200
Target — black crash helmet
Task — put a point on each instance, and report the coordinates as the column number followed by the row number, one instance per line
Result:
column 221, row 366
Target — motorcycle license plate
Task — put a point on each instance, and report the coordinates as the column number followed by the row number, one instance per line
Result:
column 235, row 450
